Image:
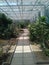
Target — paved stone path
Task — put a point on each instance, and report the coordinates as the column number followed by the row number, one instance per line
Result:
column 23, row 54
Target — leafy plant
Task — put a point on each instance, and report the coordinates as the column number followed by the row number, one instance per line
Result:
column 39, row 31
column 5, row 24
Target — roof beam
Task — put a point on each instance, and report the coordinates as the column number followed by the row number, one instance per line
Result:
column 36, row 1
column 3, row 11
column 22, row 8
column 19, row 8
column 26, row 5
column 10, row 7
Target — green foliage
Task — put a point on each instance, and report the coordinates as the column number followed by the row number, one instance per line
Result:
column 43, row 18
column 5, row 24
column 22, row 24
column 39, row 31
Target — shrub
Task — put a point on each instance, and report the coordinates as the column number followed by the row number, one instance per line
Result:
column 39, row 31
column 5, row 24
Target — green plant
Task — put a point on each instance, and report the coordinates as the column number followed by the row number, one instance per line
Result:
column 39, row 31
column 5, row 24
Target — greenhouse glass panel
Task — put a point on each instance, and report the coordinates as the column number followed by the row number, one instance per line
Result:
column 24, row 32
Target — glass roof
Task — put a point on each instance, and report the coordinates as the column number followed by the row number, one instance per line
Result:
column 23, row 9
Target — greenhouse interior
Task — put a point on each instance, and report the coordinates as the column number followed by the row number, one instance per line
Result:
column 24, row 32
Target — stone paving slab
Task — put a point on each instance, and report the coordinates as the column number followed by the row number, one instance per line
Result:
column 40, row 57
column 23, row 54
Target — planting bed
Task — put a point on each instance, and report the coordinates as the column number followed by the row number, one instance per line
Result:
column 7, row 48
column 39, row 54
